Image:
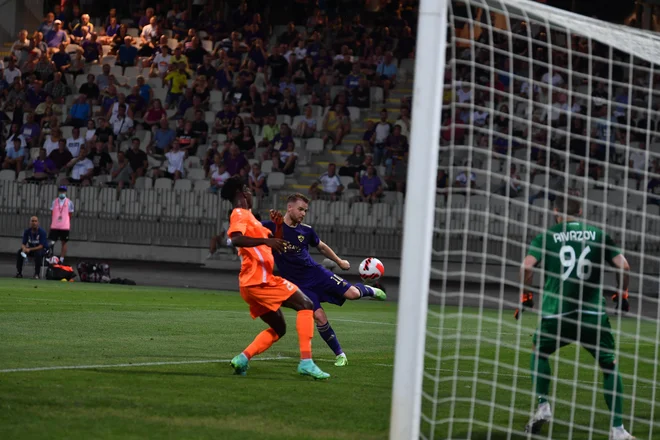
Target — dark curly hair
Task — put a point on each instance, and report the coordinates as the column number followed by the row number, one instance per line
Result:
column 232, row 186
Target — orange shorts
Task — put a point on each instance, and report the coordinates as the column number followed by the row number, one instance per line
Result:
column 267, row 297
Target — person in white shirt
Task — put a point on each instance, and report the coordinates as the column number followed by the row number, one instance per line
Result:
column 122, row 125
column 383, row 130
column 556, row 79
column 219, row 177
column 463, row 181
column 82, row 170
column 21, row 47
column 330, row 185
column 12, row 72
column 175, row 159
column 639, row 163
column 74, row 143
column 149, row 31
column 464, row 92
column 161, row 63
column 257, row 181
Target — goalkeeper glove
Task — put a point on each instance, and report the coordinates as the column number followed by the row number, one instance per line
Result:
column 621, row 299
column 526, row 301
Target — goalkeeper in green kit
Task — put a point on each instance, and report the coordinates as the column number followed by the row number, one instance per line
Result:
column 572, row 254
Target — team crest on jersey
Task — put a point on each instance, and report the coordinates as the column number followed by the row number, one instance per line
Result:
column 301, row 238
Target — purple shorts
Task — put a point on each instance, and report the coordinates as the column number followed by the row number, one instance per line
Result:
column 323, row 286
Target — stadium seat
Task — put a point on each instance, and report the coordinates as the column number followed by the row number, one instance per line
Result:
column 275, row 180
column 216, row 97
column 380, row 210
column 398, row 211
column 193, row 162
column 163, row 183
column 127, row 195
column 366, row 225
column 390, row 197
column 210, row 204
column 354, row 113
column 110, row 210
column 172, row 213
column 144, row 183
column 131, row 210
column 95, row 69
column 131, row 72
column 284, row 119
column 181, row 185
column 9, row 175
column 314, row 145
column 326, row 219
column 387, row 224
column 346, row 180
column 360, row 210
column 346, row 222
column 201, row 185
column 350, row 195
column 193, row 213
column 339, row 209
column 267, row 166
column 195, row 174
column 108, row 195
column 151, row 210
column 67, row 131
column 376, row 95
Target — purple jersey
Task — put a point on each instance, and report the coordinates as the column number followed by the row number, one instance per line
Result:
column 296, row 265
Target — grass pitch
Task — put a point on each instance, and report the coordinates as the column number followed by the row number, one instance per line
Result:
column 153, row 363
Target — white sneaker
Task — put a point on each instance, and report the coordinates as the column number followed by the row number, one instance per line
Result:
column 542, row 416
column 619, row 433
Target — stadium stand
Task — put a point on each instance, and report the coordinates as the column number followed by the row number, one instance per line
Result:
column 293, row 97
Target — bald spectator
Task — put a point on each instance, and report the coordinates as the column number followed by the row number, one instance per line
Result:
column 82, row 169
column 128, row 54
column 328, row 186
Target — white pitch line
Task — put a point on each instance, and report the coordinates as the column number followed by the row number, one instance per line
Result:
column 137, row 364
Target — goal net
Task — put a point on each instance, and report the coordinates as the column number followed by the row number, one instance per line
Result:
column 539, row 102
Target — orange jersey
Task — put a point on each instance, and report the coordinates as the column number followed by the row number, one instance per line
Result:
column 257, row 262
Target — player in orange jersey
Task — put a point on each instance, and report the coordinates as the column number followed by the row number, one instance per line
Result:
column 264, row 292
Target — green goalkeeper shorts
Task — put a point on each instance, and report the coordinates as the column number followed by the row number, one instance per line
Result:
column 593, row 332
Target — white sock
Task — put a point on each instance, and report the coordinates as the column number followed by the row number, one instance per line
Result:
column 619, row 428
column 61, row 259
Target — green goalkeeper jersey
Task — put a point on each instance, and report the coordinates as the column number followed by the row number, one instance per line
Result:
column 573, row 255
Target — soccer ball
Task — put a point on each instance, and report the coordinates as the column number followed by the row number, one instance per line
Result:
column 371, row 269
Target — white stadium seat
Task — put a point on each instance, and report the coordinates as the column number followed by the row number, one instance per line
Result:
column 275, row 180
column 201, row 185
column 182, row 185
column 163, row 183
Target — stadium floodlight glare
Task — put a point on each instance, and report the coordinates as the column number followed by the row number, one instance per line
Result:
column 573, row 103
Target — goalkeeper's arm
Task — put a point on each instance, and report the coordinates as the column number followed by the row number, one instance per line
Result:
column 527, row 276
column 622, row 281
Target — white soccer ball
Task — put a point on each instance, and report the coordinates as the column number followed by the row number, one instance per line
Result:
column 371, row 269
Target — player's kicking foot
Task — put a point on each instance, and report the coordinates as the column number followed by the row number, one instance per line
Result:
column 379, row 294
column 19, row 275
column 341, row 360
column 307, row 367
column 619, row 433
column 542, row 416
column 240, row 364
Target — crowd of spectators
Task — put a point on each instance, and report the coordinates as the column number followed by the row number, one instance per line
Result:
column 555, row 100
column 114, row 99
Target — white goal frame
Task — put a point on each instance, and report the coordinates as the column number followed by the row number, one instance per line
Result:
column 418, row 228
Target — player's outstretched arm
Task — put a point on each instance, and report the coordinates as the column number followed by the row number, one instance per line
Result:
column 622, row 280
column 527, row 276
column 331, row 255
column 240, row 240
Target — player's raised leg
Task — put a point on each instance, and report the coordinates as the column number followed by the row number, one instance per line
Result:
column 305, row 328
column 359, row 290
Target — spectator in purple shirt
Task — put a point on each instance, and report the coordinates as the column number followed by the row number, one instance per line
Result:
column 31, row 130
column 371, row 188
column 56, row 36
column 43, row 167
column 235, row 161
column 35, row 95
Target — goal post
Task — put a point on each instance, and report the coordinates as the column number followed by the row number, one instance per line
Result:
column 523, row 103
column 418, row 220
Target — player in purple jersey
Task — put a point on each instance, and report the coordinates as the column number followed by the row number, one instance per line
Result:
column 318, row 283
